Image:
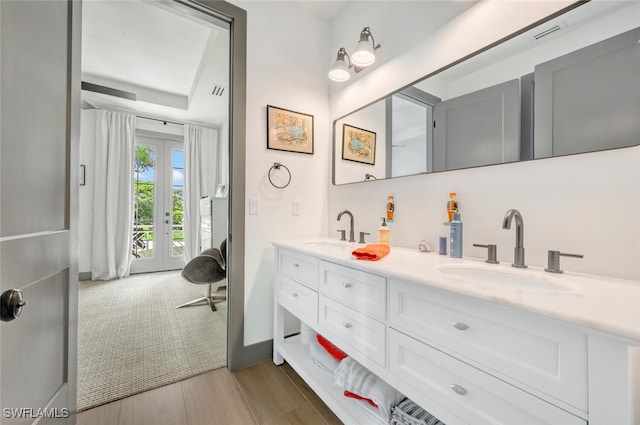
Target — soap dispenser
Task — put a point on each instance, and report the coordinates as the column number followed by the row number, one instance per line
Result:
column 455, row 247
column 384, row 233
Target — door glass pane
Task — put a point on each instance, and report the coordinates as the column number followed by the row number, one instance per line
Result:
column 144, row 179
column 177, row 198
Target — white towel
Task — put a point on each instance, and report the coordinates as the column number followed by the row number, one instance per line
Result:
column 352, row 376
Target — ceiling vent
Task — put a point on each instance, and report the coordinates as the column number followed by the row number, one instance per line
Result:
column 548, row 31
column 217, row 90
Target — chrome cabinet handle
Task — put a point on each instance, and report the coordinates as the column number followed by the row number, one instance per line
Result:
column 458, row 389
column 460, row 326
column 294, row 295
column 346, row 324
column 296, row 265
column 346, row 285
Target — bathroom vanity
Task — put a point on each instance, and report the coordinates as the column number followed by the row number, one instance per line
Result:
column 471, row 342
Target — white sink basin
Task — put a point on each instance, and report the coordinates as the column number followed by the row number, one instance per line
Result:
column 516, row 278
column 331, row 245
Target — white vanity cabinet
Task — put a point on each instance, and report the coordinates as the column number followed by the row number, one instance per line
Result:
column 465, row 359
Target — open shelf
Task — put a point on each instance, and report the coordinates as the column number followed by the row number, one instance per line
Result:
column 350, row 411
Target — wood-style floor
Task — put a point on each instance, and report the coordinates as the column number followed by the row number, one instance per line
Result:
column 263, row 394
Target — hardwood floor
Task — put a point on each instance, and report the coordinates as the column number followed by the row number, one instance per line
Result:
column 262, row 394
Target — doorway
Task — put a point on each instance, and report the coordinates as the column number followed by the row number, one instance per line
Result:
column 165, row 151
column 158, row 205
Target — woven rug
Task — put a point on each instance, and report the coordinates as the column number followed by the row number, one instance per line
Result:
column 133, row 339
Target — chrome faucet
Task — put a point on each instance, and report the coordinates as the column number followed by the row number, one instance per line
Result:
column 351, row 231
column 518, row 256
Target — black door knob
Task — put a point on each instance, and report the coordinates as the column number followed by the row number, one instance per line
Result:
column 11, row 303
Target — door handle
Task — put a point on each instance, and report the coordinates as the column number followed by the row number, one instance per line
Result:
column 11, row 303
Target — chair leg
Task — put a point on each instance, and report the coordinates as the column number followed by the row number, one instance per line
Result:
column 199, row 301
column 209, row 299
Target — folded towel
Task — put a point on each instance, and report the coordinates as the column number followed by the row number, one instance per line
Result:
column 371, row 252
column 352, row 376
column 409, row 413
column 334, row 351
column 321, row 357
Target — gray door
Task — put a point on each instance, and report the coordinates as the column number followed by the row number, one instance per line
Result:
column 38, row 177
column 478, row 128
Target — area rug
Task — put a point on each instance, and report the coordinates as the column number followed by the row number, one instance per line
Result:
column 133, row 339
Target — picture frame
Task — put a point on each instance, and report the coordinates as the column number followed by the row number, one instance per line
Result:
column 289, row 130
column 358, row 145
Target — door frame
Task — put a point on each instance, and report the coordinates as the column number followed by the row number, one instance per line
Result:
column 238, row 355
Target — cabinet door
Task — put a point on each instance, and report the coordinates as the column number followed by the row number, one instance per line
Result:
column 301, row 267
column 363, row 291
column 475, row 396
column 298, row 299
column 355, row 331
column 535, row 352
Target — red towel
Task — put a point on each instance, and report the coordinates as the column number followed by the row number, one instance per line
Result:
column 372, row 251
column 334, row 351
column 349, row 394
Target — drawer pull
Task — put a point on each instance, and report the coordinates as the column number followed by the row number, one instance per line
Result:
column 346, row 324
column 296, row 265
column 458, row 389
column 346, row 285
column 294, row 295
column 460, row 326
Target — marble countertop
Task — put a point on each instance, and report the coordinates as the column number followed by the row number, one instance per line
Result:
column 601, row 303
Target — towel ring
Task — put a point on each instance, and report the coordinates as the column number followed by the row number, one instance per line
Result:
column 276, row 166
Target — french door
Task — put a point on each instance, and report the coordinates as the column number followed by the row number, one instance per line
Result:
column 158, row 190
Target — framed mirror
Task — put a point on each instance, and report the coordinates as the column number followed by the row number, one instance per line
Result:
column 568, row 86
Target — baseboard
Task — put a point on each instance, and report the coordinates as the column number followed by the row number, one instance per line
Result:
column 256, row 353
column 84, row 276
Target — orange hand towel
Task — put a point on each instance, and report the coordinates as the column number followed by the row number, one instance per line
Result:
column 371, row 252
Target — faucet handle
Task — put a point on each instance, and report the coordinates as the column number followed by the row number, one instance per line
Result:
column 362, row 234
column 554, row 260
column 492, row 253
column 343, row 236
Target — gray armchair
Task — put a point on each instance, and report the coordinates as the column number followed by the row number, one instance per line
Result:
column 206, row 269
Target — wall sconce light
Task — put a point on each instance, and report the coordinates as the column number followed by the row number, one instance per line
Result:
column 362, row 56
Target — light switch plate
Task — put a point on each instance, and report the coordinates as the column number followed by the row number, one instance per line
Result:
column 296, row 207
column 254, row 208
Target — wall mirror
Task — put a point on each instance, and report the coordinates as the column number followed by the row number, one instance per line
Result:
column 570, row 85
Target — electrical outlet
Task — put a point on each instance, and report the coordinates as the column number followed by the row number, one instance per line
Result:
column 296, row 206
column 254, row 208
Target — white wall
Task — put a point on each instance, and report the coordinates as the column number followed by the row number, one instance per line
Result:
column 569, row 203
column 287, row 68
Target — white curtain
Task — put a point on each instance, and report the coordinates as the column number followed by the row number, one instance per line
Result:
column 113, row 196
column 201, row 177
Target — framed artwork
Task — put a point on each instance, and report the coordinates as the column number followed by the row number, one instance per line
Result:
column 289, row 131
column 358, row 144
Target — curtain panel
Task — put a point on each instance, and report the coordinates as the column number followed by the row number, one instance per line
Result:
column 113, row 197
column 202, row 175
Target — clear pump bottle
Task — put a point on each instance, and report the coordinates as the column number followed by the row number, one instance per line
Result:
column 384, row 233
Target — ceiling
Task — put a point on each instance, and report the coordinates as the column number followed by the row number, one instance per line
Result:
column 170, row 61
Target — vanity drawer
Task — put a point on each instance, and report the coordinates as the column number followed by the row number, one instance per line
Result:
column 474, row 396
column 354, row 330
column 532, row 351
column 300, row 267
column 298, row 299
column 363, row 291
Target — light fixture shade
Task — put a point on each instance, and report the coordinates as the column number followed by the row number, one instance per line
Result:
column 363, row 54
column 340, row 70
